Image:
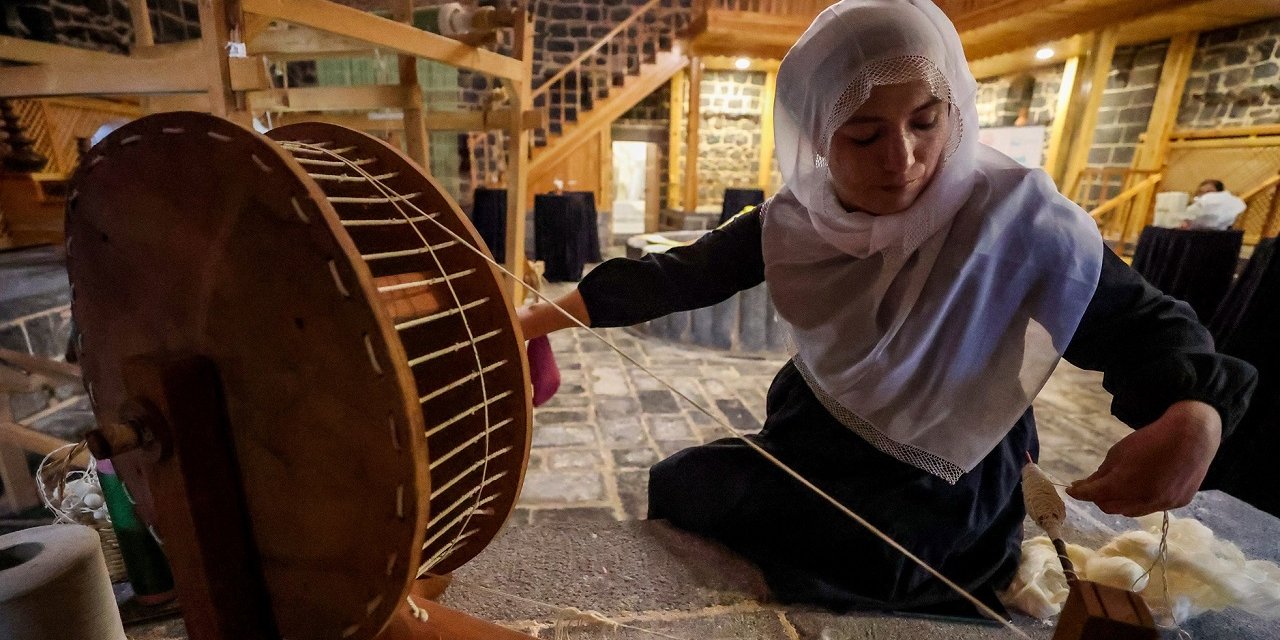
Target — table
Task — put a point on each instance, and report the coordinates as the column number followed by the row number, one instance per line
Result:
column 1246, row 327
column 565, row 233
column 735, row 200
column 489, row 215
column 1195, row 265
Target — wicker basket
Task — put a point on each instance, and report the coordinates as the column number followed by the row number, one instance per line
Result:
column 111, row 551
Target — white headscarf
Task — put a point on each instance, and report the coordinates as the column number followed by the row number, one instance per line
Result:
column 928, row 331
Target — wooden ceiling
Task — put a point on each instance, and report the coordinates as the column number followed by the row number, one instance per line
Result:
column 1002, row 36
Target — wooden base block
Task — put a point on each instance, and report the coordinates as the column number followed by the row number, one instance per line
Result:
column 1098, row 612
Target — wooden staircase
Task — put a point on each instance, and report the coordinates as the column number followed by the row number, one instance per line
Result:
column 587, row 95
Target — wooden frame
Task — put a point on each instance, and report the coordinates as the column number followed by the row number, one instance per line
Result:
column 235, row 87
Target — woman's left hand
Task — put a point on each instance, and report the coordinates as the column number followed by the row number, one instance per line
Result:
column 1157, row 467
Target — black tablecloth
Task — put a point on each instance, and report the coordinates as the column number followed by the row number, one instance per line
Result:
column 586, row 201
column 565, row 234
column 1194, row 265
column 489, row 215
column 1248, row 327
column 735, row 200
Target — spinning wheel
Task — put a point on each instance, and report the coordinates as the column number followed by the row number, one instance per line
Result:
column 313, row 388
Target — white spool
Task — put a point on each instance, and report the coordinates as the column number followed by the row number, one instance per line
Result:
column 54, row 586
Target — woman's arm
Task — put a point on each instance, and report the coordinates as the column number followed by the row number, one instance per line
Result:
column 1167, row 381
column 622, row 292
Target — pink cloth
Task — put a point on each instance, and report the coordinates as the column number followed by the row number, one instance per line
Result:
column 543, row 370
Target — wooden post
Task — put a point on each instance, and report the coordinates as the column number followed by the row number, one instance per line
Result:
column 604, row 197
column 1154, row 149
column 141, row 18
column 1060, row 131
column 20, row 491
column 676, row 124
column 218, row 18
column 143, row 37
column 415, row 129
column 521, row 92
column 766, row 130
column 1097, row 65
column 690, row 200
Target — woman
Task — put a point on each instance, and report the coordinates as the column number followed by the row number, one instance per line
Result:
column 932, row 285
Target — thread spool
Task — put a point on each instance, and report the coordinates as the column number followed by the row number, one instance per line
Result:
column 54, row 586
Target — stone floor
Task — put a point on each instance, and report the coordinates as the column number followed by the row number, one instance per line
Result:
column 595, row 440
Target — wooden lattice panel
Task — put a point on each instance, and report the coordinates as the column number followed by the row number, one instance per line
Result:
column 54, row 124
column 1240, row 163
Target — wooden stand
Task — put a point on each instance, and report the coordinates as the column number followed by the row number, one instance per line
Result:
column 179, row 459
column 1098, row 612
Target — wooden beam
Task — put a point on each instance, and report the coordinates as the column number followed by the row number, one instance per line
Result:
column 36, row 52
column 1023, row 60
column 417, row 143
column 304, row 43
column 217, row 17
column 386, row 34
column 122, row 108
column 140, row 15
column 520, row 90
column 354, row 98
column 27, row 439
column 20, row 492
column 690, row 200
column 434, row 120
column 675, row 129
column 62, row 371
column 765, row 178
column 1153, row 151
column 1228, row 132
column 1060, row 131
column 1097, row 66
column 730, row 63
column 1026, row 23
column 110, row 75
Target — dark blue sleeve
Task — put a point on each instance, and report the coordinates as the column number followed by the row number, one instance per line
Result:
column 622, row 292
column 1153, row 352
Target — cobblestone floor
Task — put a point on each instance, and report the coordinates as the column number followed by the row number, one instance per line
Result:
column 594, row 442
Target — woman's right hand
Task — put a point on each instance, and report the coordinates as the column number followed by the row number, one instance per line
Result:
column 540, row 318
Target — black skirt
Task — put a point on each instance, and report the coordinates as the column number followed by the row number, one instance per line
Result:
column 811, row 552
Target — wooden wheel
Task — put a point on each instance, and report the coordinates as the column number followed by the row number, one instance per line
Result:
column 373, row 375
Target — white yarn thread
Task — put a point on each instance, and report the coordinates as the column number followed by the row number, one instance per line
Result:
column 1044, row 505
column 978, row 604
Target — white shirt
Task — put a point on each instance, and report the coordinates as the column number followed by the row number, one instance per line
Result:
column 1215, row 210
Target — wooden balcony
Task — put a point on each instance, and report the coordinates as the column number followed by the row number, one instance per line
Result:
column 999, row 36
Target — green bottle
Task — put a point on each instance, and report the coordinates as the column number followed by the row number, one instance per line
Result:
column 143, row 558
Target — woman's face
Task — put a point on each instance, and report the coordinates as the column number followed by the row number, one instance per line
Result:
column 888, row 150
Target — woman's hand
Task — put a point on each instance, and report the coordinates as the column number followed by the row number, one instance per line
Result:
column 540, row 318
column 1157, row 467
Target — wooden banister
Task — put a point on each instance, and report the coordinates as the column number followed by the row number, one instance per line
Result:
column 1260, row 187
column 1128, row 194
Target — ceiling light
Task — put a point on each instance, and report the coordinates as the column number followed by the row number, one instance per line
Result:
column 1044, row 54
column 742, row 63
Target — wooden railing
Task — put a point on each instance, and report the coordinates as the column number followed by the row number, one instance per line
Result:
column 1095, row 185
column 775, row 7
column 1265, row 194
column 607, row 63
column 1115, row 216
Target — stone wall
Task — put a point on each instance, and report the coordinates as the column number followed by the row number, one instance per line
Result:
column 1126, row 103
column 1044, row 95
column 1234, row 79
column 728, row 133
column 104, row 25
